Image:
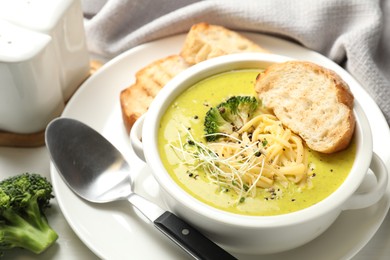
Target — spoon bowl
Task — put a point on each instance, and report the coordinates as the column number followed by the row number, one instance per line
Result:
column 97, row 172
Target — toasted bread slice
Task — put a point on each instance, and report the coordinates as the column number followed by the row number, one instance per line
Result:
column 136, row 99
column 154, row 76
column 312, row 101
column 205, row 41
column 134, row 102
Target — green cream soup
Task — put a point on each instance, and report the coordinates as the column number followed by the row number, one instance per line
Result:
column 187, row 113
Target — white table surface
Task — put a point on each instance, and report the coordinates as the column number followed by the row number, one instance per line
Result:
column 69, row 246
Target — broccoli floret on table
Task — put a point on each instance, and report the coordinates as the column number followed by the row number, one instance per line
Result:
column 229, row 116
column 23, row 199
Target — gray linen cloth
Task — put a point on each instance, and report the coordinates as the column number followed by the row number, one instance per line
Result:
column 353, row 33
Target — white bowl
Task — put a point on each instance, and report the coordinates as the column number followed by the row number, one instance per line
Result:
column 257, row 234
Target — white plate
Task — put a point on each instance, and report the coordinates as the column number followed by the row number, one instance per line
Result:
column 117, row 231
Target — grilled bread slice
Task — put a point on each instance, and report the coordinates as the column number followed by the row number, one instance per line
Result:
column 134, row 103
column 312, row 101
column 202, row 42
column 136, row 99
column 205, row 41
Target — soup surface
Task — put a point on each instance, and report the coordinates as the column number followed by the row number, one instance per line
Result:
column 187, row 114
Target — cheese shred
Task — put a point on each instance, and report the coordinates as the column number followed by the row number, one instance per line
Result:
column 260, row 155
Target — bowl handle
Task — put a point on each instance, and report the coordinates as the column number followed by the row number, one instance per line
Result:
column 370, row 192
column 136, row 138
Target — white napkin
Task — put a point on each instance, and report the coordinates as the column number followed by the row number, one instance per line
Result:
column 353, row 33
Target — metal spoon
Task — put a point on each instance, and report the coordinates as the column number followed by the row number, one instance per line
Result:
column 96, row 171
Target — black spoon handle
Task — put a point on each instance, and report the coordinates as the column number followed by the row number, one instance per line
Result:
column 190, row 239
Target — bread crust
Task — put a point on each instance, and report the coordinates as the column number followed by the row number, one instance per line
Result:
column 136, row 99
column 205, row 41
column 312, row 101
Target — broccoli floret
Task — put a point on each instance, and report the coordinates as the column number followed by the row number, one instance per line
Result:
column 229, row 116
column 23, row 199
column 215, row 123
column 246, row 106
column 228, row 109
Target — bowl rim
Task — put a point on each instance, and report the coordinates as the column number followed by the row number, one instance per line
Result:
column 216, row 65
